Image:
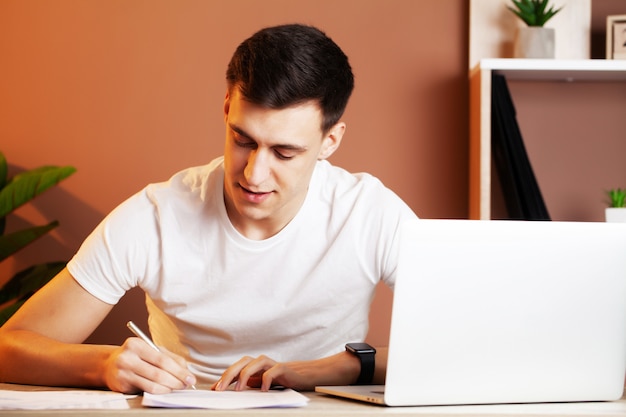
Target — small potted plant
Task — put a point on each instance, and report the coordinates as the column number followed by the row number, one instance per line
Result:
column 616, row 212
column 534, row 40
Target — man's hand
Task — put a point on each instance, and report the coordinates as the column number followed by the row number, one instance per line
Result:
column 263, row 372
column 135, row 366
column 43, row 345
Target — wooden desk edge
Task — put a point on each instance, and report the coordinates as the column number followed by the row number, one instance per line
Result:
column 323, row 405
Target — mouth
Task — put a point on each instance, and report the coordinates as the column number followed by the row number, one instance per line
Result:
column 247, row 190
column 254, row 196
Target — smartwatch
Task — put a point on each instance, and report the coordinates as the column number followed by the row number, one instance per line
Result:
column 367, row 356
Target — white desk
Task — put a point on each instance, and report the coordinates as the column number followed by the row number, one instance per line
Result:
column 321, row 405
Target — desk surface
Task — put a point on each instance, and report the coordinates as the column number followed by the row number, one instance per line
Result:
column 322, row 405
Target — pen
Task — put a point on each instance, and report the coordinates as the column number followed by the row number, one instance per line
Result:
column 140, row 334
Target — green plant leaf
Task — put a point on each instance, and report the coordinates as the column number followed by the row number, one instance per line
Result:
column 548, row 15
column 11, row 243
column 533, row 12
column 8, row 311
column 540, row 7
column 23, row 284
column 617, row 197
column 29, row 184
column 4, row 171
column 15, row 192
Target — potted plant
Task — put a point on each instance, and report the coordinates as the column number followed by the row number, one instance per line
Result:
column 14, row 192
column 534, row 40
column 616, row 212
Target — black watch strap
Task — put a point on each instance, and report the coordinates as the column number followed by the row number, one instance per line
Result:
column 367, row 357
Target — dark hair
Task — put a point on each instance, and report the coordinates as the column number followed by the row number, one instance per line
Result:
column 281, row 66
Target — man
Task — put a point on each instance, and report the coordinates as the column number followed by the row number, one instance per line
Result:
column 257, row 267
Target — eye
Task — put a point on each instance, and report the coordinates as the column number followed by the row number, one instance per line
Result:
column 282, row 155
column 244, row 143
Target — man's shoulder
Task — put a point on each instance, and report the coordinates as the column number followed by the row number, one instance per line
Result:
column 338, row 186
column 196, row 175
column 334, row 172
column 195, row 178
column 340, row 179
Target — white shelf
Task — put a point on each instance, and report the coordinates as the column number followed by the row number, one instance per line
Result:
column 556, row 69
column 549, row 70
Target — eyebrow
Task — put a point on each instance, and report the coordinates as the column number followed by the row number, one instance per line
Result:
column 286, row 146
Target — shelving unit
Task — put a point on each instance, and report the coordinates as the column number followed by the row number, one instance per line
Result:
column 548, row 70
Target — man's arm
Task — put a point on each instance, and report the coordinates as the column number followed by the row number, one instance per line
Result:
column 340, row 369
column 42, row 344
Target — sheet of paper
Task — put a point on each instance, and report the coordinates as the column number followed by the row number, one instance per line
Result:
column 226, row 400
column 58, row 400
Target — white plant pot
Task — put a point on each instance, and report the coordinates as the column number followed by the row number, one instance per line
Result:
column 615, row 214
column 534, row 42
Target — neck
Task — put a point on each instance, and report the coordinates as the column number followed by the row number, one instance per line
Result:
column 263, row 227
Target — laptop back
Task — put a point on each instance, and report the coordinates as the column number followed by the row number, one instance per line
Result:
column 508, row 312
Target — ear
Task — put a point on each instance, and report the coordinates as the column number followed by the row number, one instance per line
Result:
column 332, row 140
column 226, row 105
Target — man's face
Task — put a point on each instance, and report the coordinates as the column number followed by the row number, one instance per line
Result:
column 269, row 157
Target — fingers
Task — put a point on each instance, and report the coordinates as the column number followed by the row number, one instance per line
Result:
column 247, row 371
column 182, row 373
column 272, row 374
column 136, row 366
column 263, row 372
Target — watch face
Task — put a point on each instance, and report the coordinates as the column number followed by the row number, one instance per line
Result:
column 360, row 348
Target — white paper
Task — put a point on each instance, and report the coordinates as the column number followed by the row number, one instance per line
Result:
column 226, row 400
column 60, row 400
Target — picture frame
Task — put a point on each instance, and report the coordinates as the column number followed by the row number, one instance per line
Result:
column 616, row 37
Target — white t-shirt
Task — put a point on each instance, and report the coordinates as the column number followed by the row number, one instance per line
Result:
column 214, row 296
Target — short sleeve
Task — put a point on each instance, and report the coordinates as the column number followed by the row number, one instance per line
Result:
column 120, row 252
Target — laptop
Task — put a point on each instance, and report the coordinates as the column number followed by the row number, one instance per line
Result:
column 501, row 312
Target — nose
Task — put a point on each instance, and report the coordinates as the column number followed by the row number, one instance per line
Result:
column 257, row 168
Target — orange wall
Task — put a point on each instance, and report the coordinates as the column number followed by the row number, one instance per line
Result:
column 130, row 91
